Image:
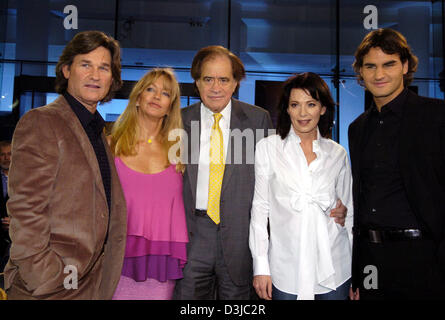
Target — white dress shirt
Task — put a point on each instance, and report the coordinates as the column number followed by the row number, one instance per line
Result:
column 207, row 120
column 308, row 252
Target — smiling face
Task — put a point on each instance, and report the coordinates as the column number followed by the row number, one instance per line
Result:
column 89, row 77
column 304, row 112
column 155, row 100
column 216, row 84
column 383, row 75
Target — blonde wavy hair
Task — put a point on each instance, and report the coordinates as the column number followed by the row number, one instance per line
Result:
column 123, row 139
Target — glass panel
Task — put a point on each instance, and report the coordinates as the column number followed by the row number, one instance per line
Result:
column 428, row 88
column 267, row 88
column 419, row 21
column 110, row 111
column 3, row 18
column 6, row 86
column 284, row 36
column 352, row 104
column 416, row 20
column 169, row 32
column 274, row 39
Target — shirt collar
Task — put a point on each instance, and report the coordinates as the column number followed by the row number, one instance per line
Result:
column 395, row 105
column 293, row 138
column 86, row 118
column 226, row 112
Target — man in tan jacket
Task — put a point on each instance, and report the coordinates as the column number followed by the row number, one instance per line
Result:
column 67, row 209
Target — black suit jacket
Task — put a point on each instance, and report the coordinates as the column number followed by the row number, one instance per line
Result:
column 4, row 236
column 3, row 212
column 422, row 166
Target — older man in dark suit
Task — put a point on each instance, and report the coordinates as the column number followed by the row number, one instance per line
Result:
column 397, row 152
column 67, row 209
column 219, row 180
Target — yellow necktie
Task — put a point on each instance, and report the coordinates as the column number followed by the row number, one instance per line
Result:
column 216, row 172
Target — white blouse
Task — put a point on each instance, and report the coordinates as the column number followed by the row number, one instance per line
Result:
column 308, row 252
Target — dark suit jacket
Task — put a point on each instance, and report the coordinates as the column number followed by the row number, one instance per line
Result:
column 59, row 211
column 422, row 166
column 237, row 187
column 4, row 235
column 3, row 212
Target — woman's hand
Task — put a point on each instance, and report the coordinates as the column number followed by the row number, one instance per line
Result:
column 354, row 295
column 263, row 286
column 339, row 213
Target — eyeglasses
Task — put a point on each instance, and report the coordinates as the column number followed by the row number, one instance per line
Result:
column 223, row 81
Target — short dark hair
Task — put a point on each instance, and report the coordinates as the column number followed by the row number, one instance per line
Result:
column 207, row 53
column 83, row 43
column 391, row 42
column 5, row 143
column 317, row 88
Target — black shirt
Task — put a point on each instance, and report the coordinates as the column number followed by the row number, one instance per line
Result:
column 383, row 200
column 93, row 124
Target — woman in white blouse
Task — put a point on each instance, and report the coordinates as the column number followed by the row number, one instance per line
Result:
column 299, row 175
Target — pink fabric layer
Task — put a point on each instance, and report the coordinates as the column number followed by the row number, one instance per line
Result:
column 161, row 268
column 137, row 247
column 156, row 220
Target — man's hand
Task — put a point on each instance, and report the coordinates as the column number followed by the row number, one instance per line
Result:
column 263, row 286
column 5, row 223
column 339, row 213
column 354, row 295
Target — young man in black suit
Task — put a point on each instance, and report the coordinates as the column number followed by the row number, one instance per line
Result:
column 397, row 150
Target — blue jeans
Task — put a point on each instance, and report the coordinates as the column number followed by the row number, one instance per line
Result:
column 341, row 293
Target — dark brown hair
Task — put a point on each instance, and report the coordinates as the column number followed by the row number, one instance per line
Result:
column 317, row 89
column 391, row 42
column 83, row 43
column 210, row 52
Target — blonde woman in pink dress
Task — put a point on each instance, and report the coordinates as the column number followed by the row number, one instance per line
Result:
column 156, row 234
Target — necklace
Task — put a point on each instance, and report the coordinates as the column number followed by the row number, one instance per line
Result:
column 150, row 140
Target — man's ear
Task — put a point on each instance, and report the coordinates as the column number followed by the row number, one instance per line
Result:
column 66, row 71
column 405, row 67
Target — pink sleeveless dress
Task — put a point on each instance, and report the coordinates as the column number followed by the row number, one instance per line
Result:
column 155, row 251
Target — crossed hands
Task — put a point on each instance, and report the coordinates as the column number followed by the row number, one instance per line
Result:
column 263, row 283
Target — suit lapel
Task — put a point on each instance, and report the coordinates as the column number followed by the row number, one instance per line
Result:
column 357, row 148
column 73, row 123
column 113, row 173
column 194, row 141
column 237, row 118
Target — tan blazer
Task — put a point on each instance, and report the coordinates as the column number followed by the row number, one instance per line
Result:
column 58, row 210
